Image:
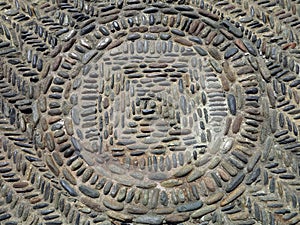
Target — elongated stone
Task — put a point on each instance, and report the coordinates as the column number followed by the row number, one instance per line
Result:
column 68, row 188
column 231, row 104
column 184, row 171
column 253, row 176
column 52, row 165
column 120, row 216
column 190, row 206
column 104, row 43
column 203, row 211
column 149, row 219
column 233, row 195
column 250, row 47
column 171, row 183
column 236, row 125
column 112, row 204
column 214, row 198
column 194, row 175
column 200, row 51
column 88, row 56
column 89, row 191
column 235, row 182
column 230, row 52
column 232, row 29
column 177, row 218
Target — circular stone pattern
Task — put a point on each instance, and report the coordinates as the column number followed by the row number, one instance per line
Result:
column 142, row 108
column 149, row 112
column 151, row 107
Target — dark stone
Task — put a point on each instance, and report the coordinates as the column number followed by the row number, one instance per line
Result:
column 90, row 192
column 68, row 188
column 190, row 206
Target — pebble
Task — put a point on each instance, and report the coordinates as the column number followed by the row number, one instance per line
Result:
column 171, row 183
column 239, row 216
column 236, row 125
column 216, row 65
column 116, row 169
column 158, row 176
column 75, row 115
column 69, row 176
column 240, row 156
column 87, row 174
column 213, row 198
column 178, row 32
column 103, row 30
column 209, row 183
column 208, row 14
column 163, row 210
column 250, row 47
column 69, row 126
column 230, row 52
column 253, row 161
column 233, row 195
column 165, row 36
column 68, row 188
column 264, row 71
column 154, row 199
column 183, row 171
column 119, row 216
column 239, row 43
column 203, row 211
column 149, row 219
column 219, row 39
column 112, row 204
column 50, row 141
column 177, row 218
column 236, row 181
column 92, row 193
column 253, row 176
column 228, row 72
column 196, row 40
column 194, row 175
column 103, row 43
column 267, row 148
column 190, row 206
column 231, row 104
column 87, row 29
column 52, row 165
column 200, row 51
column 229, row 168
column 214, row 52
column 183, row 41
column 88, row 56
column 164, row 199
column 232, row 29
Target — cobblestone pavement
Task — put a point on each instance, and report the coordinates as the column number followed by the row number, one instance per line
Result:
column 149, row 112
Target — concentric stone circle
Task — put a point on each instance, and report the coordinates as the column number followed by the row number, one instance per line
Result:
column 149, row 112
column 110, row 97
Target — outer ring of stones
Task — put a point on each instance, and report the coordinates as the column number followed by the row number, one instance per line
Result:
column 147, row 193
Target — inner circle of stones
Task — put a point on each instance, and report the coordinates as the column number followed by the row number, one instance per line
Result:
column 100, row 115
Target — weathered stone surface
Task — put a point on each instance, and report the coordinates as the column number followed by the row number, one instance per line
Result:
column 149, row 112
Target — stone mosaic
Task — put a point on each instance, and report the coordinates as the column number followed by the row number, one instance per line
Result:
column 149, row 112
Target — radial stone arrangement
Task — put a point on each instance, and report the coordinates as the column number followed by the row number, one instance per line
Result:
column 149, row 112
